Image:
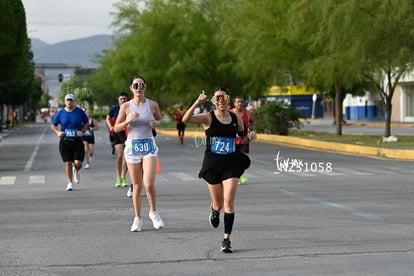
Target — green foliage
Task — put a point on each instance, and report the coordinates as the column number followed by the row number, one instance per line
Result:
column 276, row 118
column 18, row 86
column 184, row 46
column 79, row 86
column 13, row 41
column 175, row 46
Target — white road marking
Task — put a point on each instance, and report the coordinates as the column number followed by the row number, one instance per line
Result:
column 333, row 204
column 160, row 178
column 37, row 179
column 7, row 180
column 183, row 176
column 29, row 163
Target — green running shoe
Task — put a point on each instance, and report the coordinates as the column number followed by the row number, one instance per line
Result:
column 118, row 182
column 124, row 182
column 243, row 178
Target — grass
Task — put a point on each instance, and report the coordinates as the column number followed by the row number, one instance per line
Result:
column 172, row 124
column 404, row 142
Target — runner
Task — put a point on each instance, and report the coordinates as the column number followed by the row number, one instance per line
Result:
column 73, row 123
column 178, row 116
column 141, row 115
column 223, row 164
column 118, row 141
column 240, row 111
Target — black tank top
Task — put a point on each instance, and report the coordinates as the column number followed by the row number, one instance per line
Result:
column 92, row 125
column 218, row 129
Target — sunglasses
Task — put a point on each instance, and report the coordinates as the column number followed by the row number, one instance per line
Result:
column 218, row 98
column 139, row 85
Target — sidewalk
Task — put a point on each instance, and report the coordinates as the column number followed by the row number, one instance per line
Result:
column 326, row 125
column 5, row 133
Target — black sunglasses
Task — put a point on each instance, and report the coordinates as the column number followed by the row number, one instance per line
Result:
column 139, row 85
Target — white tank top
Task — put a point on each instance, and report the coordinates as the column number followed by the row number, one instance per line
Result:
column 140, row 128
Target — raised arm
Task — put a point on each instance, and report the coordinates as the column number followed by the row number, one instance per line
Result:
column 199, row 118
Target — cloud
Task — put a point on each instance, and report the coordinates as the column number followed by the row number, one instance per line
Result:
column 55, row 21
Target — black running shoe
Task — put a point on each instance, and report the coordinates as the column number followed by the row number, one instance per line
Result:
column 214, row 218
column 226, row 246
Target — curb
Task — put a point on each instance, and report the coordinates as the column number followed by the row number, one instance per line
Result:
column 315, row 145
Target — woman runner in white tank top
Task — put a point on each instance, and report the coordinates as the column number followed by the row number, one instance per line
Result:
column 141, row 115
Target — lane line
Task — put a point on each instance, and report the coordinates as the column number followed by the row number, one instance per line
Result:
column 334, row 204
column 29, row 163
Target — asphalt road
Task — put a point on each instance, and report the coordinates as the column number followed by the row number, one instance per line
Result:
column 301, row 213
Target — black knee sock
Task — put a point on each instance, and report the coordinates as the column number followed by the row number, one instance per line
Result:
column 228, row 222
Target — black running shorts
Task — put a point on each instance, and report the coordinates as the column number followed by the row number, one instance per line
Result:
column 219, row 167
column 71, row 149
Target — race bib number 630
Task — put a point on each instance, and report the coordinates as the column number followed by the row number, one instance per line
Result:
column 142, row 146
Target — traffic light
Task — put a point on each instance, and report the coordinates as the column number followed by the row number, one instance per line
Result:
column 60, row 77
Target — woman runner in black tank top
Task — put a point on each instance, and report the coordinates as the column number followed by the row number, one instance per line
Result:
column 222, row 164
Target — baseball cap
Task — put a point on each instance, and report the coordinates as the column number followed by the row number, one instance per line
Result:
column 70, row 97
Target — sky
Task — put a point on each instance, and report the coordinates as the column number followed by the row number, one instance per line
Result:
column 55, row 21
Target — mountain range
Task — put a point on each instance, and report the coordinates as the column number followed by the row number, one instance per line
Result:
column 80, row 52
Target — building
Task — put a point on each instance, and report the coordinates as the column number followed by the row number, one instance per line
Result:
column 307, row 100
column 371, row 107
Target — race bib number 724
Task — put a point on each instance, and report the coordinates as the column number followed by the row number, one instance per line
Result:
column 223, row 145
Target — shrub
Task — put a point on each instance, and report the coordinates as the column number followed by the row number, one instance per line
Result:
column 276, row 118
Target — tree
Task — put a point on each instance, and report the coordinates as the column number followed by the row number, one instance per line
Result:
column 13, row 41
column 330, row 59
column 174, row 45
column 256, row 34
column 17, row 83
column 385, row 45
column 361, row 42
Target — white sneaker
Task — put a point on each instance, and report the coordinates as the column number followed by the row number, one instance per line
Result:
column 136, row 225
column 69, row 187
column 156, row 220
column 91, row 158
column 87, row 166
column 129, row 193
column 76, row 176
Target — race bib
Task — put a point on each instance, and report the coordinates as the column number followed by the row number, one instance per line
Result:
column 71, row 133
column 143, row 146
column 223, row 145
column 87, row 133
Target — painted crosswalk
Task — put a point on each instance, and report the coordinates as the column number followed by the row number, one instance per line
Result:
column 7, row 180
column 189, row 177
column 37, row 179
